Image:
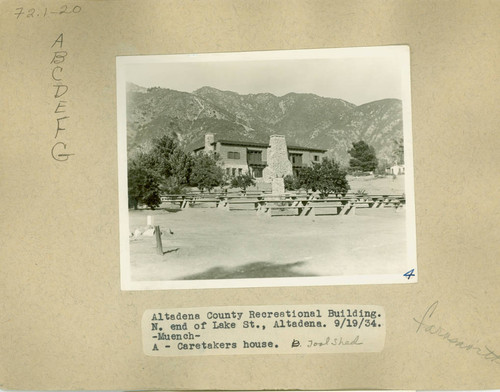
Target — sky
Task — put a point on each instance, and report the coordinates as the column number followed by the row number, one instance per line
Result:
column 355, row 78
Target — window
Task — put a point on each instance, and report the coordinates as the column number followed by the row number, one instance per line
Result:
column 228, row 171
column 296, row 159
column 316, row 158
column 233, row 155
column 257, row 172
column 240, row 171
column 254, row 157
column 233, row 171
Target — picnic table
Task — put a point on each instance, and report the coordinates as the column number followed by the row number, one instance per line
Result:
column 307, row 206
column 289, row 203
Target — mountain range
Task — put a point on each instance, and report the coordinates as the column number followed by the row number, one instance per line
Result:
column 305, row 119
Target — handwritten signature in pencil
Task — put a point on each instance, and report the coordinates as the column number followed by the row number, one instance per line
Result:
column 424, row 325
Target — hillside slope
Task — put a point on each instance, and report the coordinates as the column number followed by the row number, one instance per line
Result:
column 305, row 119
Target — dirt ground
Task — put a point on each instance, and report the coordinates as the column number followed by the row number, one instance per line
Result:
column 214, row 244
column 377, row 186
column 208, row 243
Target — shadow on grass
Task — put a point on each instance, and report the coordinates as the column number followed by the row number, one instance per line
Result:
column 170, row 209
column 260, row 269
column 159, row 209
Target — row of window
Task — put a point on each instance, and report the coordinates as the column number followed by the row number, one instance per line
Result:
column 233, row 171
column 257, row 156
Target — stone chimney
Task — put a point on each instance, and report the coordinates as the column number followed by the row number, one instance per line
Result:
column 209, row 140
column 278, row 164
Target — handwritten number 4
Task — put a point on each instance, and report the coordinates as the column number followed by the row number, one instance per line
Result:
column 410, row 273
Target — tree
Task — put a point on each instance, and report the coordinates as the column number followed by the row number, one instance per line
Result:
column 171, row 186
column 162, row 166
column 363, row 157
column 205, row 172
column 170, row 160
column 383, row 165
column 398, row 151
column 292, row 183
column 243, row 181
column 326, row 177
column 143, row 182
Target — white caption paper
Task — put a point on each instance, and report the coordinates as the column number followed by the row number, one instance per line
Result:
column 274, row 329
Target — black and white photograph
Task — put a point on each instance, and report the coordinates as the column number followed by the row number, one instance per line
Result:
column 272, row 168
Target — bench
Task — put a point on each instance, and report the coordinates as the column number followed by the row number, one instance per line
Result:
column 242, row 205
column 181, row 200
column 307, row 207
column 379, row 201
column 186, row 201
column 301, row 204
column 330, row 207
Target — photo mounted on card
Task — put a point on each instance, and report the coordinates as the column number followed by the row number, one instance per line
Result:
column 278, row 168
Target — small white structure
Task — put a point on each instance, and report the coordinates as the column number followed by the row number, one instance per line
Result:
column 397, row 169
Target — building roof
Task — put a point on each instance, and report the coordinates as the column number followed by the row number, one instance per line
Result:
column 252, row 143
column 313, row 149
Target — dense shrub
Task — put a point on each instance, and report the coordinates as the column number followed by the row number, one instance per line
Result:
column 243, row 181
column 326, row 177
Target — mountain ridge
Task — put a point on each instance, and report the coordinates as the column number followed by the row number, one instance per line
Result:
column 305, row 119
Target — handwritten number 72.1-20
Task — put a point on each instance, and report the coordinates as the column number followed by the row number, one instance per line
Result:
column 34, row 12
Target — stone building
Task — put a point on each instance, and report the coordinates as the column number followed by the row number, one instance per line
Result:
column 264, row 161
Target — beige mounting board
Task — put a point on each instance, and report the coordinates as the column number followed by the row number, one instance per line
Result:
column 64, row 321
